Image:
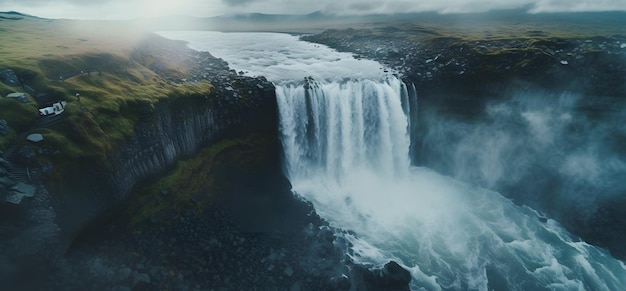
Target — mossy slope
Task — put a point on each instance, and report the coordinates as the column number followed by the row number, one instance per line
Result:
column 241, row 174
column 111, row 74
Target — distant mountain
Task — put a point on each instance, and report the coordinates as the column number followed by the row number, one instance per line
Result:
column 13, row 15
column 318, row 21
column 312, row 22
column 276, row 18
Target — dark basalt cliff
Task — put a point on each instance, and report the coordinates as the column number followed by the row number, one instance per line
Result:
column 164, row 132
column 193, row 197
column 173, row 131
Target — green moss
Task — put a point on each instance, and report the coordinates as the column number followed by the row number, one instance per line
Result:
column 54, row 140
column 111, row 65
column 201, row 179
column 19, row 117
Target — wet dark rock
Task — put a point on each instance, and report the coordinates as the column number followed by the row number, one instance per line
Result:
column 4, row 163
column 340, row 283
column 141, row 281
column 595, row 66
column 6, row 183
column 123, row 274
column 4, row 127
column 27, row 152
column 390, row 277
column 288, row 271
column 10, row 78
column 25, row 189
column 396, row 276
column 297, row 286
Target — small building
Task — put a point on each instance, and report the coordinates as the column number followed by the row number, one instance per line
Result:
column 56, row 109
column 19, row 96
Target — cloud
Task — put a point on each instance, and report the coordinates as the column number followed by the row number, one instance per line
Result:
column 113, row 9
column 237, row 2
column 577, row 5
column 116, row 9
column 348, row 7
column 4, row 3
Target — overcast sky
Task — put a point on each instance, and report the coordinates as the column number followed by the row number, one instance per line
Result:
column 125, row 9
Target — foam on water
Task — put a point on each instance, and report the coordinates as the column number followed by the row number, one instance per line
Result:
column 346, row 143
column 278, row 57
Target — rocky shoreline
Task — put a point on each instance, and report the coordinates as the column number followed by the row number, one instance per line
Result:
column 435, row 60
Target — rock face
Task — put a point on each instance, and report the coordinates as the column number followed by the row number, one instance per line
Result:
column 175, row 130
column 170, row 131
column 4, row 127
column 12, row 191
column 164, row 132
column 10, row 78
column 390, row 277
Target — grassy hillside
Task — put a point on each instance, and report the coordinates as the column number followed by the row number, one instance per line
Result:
column 205, row 178
column 110, row 74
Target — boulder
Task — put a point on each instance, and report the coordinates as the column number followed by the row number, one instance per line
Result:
column 13, row 197
column 390, row 277
column 16, row 193
column 26, row 189
column 123, row 274
column 10, row 78
column 288, row 271
column 7, row 182
column 395, row 276
column 19, row 96
column 4, row 127
column 4, row 163
column 141, row 281
column 35, row 137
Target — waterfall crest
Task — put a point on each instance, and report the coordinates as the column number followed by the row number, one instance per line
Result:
column 334, row 128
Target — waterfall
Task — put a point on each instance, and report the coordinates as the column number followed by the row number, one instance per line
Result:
column 332, row 129
column 347, row 150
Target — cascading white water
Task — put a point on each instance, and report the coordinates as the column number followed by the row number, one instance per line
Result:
column 331, row 129
column 346, row 147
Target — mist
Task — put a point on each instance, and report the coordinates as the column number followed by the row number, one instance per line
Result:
column 116, row 9
column 550, row 150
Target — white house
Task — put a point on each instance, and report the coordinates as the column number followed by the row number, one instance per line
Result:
column 56, row 108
